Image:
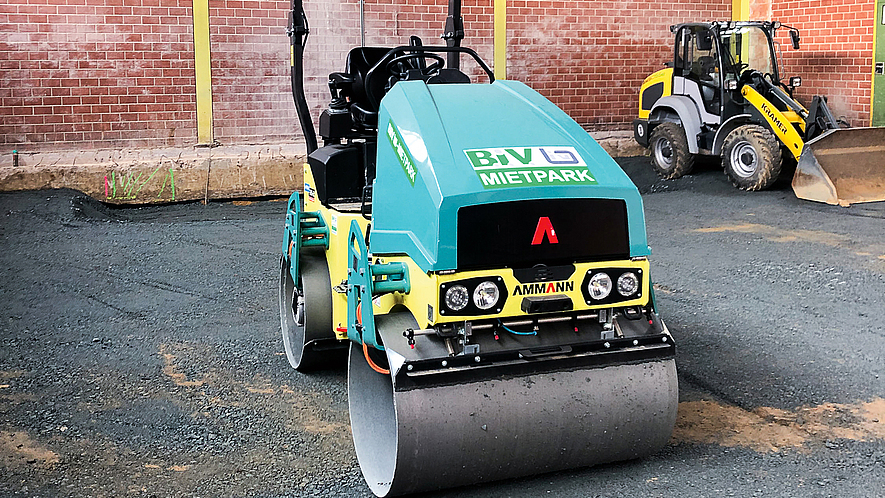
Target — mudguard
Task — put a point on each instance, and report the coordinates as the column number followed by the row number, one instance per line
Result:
column 688, row 115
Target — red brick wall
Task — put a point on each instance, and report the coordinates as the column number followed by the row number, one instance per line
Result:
column 334, row 30
column 392, row 22
column 96, row 72
column 836, row 53
column 109, row 73
column 251, row 93
column 590, row 57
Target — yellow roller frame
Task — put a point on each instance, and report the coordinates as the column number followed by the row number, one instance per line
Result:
column 424, row 295
column 339, row 229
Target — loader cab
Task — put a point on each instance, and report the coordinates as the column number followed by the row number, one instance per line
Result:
column 748, row 47
column 697, row 69
column 712, row 61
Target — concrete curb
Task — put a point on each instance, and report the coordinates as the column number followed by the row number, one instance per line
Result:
column 619, row 143
column 153, row 176
column 150, row 176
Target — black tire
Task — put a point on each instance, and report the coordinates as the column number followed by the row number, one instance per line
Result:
column 306, row 319
column 669, row 151
column 751, row 157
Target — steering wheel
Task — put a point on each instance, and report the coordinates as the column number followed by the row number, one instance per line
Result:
column 397, row 65
column 369, row 81
column 740, row 66
column 710, row 83
column 752, row 75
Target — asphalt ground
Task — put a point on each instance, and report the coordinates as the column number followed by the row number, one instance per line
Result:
column 140, row 353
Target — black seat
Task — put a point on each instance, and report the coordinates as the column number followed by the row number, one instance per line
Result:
column 360, row 97
column 359, row 61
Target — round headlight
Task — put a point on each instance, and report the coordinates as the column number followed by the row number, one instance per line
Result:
column 600, row 286
column 628, row 284
column 486, row 295
column 457, row 297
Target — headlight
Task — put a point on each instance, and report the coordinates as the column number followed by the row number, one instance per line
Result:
column 628, row 284
column 600, row 286
column 457, row 297
column 486, row 295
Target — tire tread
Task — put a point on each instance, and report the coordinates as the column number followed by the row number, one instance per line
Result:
column 768, row 151
column 683, row 160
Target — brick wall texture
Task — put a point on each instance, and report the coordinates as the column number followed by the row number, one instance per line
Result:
column 96, row 72
column 836, row 54
column 120, row 73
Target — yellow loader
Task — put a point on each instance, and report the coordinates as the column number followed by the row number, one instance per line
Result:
column 722, row 95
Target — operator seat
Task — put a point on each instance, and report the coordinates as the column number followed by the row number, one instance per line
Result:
column 359, row 61
column 353, row 83
column 704, row 72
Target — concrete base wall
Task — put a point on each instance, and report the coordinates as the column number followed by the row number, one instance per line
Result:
column 154, row 176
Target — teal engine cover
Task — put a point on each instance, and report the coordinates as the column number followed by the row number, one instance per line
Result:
column 527, row 182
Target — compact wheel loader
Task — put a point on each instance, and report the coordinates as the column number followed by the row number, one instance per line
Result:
column 484, row 264
column 722, row 95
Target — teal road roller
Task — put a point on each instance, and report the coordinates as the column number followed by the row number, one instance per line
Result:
column 483, row 264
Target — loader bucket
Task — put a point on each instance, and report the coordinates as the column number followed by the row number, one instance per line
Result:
column 843, row 167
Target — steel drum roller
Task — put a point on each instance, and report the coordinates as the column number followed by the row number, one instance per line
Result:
column 428, row 438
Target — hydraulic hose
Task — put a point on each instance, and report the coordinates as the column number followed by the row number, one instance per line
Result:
column 298, row 31
column 514, row 332
column 374, row 366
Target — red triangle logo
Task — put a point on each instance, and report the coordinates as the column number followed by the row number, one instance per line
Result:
column 544, row 228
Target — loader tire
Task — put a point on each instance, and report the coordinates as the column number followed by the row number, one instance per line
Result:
column 306, row 316
column 751, row 157
column 669, row 151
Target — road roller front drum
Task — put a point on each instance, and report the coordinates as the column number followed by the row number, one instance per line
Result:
column 430, row 433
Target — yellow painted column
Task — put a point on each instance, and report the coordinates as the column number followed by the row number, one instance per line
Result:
column 877, row 92
column 500, row 16
column 740, row 10
column 203, row 72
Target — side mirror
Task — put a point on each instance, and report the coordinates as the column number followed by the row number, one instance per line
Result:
column 794, row 38
column 796, row 81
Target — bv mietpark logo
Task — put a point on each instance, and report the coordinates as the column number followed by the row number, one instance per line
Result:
column 402, row 152
column 499, row 167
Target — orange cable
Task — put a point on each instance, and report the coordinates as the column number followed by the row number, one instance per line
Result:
column 372, row 363
column 375, row 367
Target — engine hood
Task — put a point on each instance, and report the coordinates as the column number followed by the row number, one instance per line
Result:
column 446, row 146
